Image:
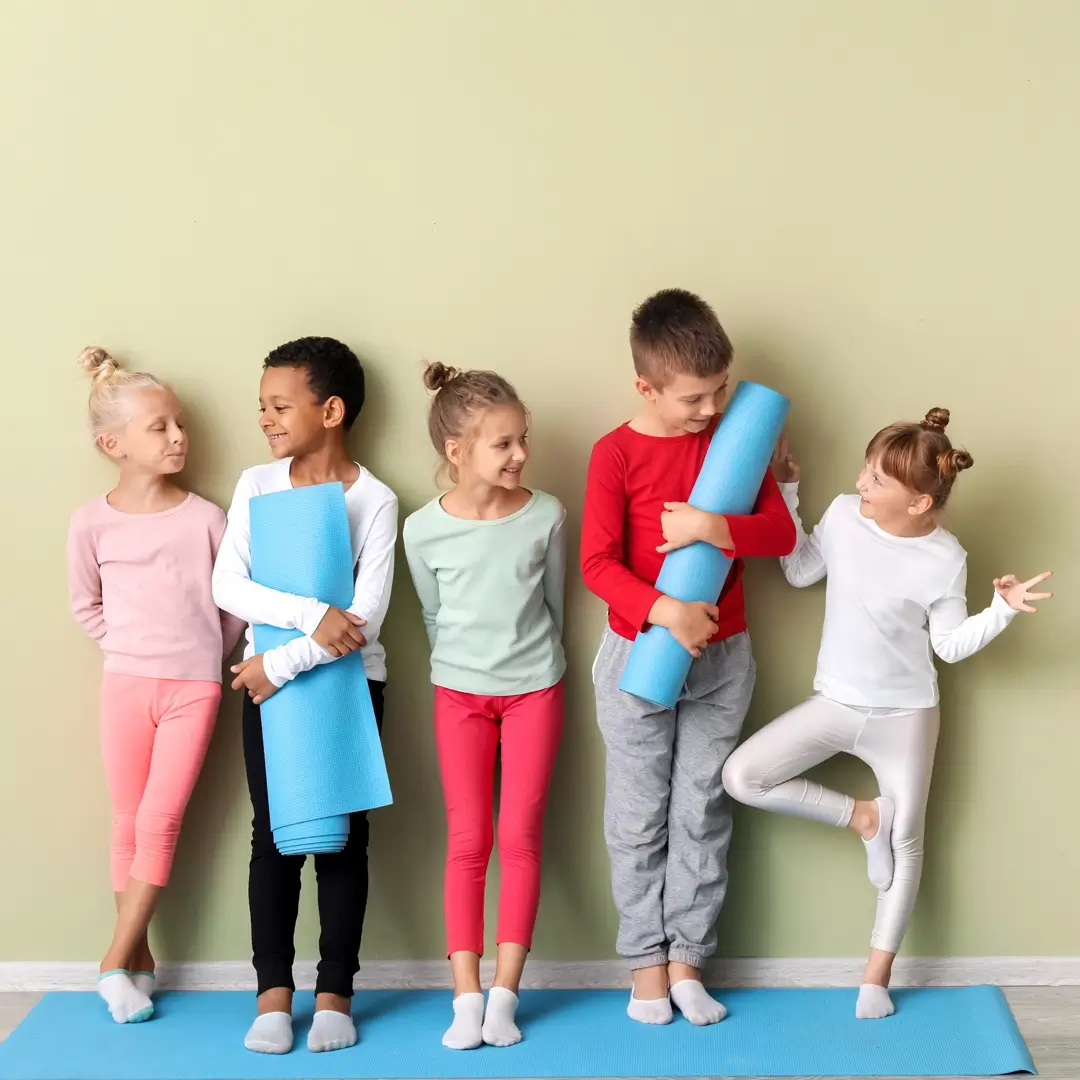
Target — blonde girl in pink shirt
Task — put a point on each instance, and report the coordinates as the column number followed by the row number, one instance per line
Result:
column 139, row 566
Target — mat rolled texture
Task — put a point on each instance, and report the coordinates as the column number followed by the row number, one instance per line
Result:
column 730, row 479
column 324, row 758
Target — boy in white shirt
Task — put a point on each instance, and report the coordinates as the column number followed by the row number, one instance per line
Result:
column 311, row 393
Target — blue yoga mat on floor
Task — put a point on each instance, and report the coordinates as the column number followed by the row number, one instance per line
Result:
column 967, row 1031
column 324, row 758
column 728, row 483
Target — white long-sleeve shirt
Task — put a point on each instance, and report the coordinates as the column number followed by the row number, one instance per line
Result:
column 373, row 517
column 891, row 602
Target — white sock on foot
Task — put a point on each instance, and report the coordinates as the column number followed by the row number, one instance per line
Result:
column 466, row 1032
column 696, row 1003
column 874, row 1003
column 145, row 982
column 879, row 856
column 127, row 1004
column 499, row 1027
column 656, row 1011
column 270, row 1034
column 330, row 1031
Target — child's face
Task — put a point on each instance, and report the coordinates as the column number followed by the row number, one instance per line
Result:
column 687, row 403
column 889, row 503
column 153, row 440
column 291, row 417
column 496, row 450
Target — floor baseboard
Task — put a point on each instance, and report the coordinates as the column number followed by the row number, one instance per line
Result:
column 574, row 975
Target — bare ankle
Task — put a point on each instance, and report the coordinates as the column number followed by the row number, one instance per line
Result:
column 333, row 1003
column 678, row 972
column 878, row 970
column 277, row 999
column 651, row 983
column 865, row 818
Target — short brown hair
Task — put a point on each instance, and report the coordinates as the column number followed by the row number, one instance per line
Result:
column 676, row 332
column 920, row 456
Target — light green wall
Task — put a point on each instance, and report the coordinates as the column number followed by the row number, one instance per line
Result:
column 880, row 200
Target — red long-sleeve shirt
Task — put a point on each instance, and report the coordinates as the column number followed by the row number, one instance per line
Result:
column 630, row 478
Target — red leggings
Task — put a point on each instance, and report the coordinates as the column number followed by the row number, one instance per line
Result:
column 468, row 730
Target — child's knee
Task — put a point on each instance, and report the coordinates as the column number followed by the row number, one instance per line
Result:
column 470, row 844
column 740, row 780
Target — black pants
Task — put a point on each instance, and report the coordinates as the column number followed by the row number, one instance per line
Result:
column 274, row 883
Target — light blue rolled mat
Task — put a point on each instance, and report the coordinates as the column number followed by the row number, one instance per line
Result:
column 730, row 479
column 324, row 758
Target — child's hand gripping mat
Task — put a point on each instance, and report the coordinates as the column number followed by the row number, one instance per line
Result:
column 731, row 476
column 324, row 758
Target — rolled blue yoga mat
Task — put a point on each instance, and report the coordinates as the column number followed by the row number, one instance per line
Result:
column 324, row 757
column 730, row 479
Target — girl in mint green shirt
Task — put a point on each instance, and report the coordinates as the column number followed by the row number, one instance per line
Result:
column 488, row 560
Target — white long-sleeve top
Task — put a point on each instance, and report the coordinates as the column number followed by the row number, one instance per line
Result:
column 372, row 510
column 891, row 602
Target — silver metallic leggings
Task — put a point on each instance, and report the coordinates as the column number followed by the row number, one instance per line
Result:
column 897, row 744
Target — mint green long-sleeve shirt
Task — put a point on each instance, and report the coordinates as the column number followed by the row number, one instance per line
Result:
column 491, row 593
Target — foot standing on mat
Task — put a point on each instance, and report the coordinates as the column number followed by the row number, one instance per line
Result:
column 311, row 393
column 488, row 562
column 139, row 566
column 667, row 820
column 896, row 589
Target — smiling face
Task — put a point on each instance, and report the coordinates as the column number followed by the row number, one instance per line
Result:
column 686, row 403
column 495, row 450
column 153, row 439
column 891, row 505
column 291, row 416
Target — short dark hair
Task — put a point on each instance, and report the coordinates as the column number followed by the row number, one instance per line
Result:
column 332, row 370
column 676, row 332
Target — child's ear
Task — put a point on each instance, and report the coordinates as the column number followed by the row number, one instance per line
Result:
column 110, row 445
column 333, row 412
column 645, row 389
column 453, row 451
column 921, row 504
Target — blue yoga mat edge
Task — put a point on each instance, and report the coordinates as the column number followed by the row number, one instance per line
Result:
column 963, row 1031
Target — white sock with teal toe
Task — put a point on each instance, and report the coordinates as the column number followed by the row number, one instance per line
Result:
column 145, row 982
column 127, row 1003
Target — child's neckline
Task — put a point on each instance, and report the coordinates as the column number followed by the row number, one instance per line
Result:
column 288, row 463
column 151, row 513
column 487, row 521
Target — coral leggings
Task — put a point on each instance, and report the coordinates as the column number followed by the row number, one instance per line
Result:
column 468, row 731
column 154, row 735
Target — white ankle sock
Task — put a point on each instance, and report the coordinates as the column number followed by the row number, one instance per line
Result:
column 466, row 1032
column 330, row 1031
column 656, row 1011
column 696, row 1003
column 499, row 1027
column 874, row 1003
column 126, row 1002
column 270, row 1034
column 145, row 982
column 879, row 856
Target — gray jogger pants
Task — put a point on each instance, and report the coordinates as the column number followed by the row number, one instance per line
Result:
column 667, row 819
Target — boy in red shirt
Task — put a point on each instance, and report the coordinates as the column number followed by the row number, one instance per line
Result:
column 667, row 820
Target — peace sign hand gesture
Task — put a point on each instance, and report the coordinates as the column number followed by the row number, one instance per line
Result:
column 1015, row 593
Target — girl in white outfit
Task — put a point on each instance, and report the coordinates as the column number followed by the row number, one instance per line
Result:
column 895, row 591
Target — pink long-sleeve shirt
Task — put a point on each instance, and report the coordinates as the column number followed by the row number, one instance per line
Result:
column 140, row 586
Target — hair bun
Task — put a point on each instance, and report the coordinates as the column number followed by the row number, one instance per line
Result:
column 97, row 363
column 951, row 462
column 437, row 375
column 937, row 419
